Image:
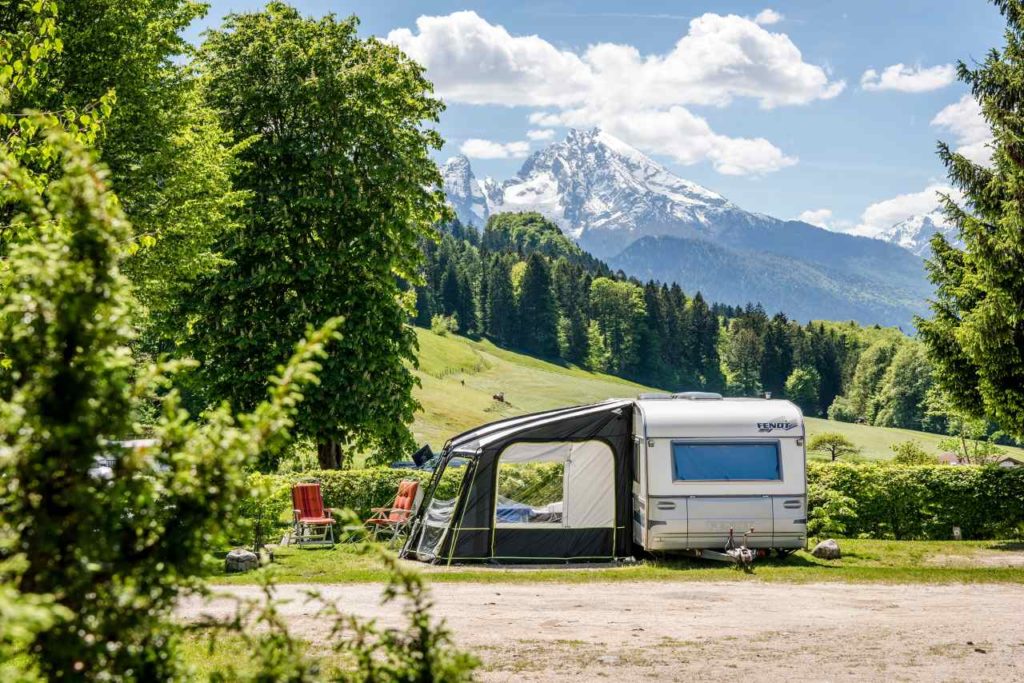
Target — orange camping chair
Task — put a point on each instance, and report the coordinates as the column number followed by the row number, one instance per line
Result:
column 314, row 524
column 394, row 520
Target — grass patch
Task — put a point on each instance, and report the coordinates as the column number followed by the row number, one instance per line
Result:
column 230, row 652
column 863, row 561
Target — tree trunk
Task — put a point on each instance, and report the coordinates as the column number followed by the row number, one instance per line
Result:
column 328, row 453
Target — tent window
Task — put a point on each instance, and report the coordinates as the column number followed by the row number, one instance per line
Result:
column 561, row 484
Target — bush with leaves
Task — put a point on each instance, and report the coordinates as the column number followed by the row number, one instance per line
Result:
column 911, row 453
column 925, row 501
column 92, row 566
column 443, row 324
column 830, row 512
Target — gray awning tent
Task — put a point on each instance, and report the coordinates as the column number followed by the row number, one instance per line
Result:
column 591, row 447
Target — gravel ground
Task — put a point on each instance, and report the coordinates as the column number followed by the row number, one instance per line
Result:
column 706, row 631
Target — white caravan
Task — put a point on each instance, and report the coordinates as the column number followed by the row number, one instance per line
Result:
column 708, row 468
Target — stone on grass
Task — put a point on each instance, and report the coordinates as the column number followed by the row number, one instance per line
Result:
column 827, row 550
column 240, row 560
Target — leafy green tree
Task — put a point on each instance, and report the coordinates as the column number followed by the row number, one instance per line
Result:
column 167, row 156
column 598, row 355
column 856, row 403
column 834, row 445
column 335, row 160
column 976, row 332
column 802, row 389
column 537, row 316
column 902, row 392
column 911, row 453
column 618, row 309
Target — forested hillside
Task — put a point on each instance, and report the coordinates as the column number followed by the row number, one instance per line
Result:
column 524, row 285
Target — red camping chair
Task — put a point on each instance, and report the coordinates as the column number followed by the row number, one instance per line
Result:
column 314, row 524
column 394, row 520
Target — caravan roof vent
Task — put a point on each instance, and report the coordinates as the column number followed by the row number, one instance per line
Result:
column 698, row 396
column 654, row 397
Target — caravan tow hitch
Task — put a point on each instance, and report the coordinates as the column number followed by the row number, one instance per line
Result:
column 741, row 555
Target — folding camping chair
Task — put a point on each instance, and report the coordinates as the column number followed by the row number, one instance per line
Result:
column 394, row 520
column 314, row 524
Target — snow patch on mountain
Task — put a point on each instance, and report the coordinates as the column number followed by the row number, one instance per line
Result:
column 915, row 233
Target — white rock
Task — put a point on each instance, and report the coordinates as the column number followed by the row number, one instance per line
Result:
column 827, row 550
column 240, row 560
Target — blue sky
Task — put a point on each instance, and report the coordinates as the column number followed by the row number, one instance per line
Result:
column 767, row 108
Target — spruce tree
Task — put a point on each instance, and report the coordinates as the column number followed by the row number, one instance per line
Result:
column 538, row 319
column 704, row 324
column 501, row 302
column 975, row 337
column 571, row 289
column 777, row 360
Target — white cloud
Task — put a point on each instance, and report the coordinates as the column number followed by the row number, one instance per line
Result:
column 882, row 215
column 767, row 17
column 819, row 217
column 973, row 135
column 903, row 78
column 540, row 134
column 478, row 148
column 613, row 85
column 676, row 132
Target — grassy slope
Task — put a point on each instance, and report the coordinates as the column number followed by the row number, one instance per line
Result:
column 459, row 376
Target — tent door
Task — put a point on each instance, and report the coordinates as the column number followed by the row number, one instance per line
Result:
column 589, row 486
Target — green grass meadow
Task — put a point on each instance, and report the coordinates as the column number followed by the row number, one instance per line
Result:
column 863, row 561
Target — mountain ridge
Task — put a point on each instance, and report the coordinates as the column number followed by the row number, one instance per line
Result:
column 632, row 212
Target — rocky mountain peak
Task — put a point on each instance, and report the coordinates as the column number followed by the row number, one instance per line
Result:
column 463, row 191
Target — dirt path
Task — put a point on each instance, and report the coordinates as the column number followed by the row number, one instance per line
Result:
column 710, row 631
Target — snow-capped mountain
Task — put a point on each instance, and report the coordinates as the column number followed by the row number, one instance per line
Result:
column 607, row 194
column 915, row 233
column 640, row 217
column 464, row 193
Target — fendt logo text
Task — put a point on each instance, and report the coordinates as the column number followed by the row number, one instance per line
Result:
column 772, row 426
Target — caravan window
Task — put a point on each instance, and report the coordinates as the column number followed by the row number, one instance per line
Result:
column 726, row 461
column 568, row 484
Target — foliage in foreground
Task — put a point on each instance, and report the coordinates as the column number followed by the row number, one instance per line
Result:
column 94, row 559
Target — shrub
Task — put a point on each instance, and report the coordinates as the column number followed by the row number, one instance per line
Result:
column 830, row 512
column 443, row 324
column 911, row 453
column 924, row 501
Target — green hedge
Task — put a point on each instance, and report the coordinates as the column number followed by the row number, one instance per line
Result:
column 926, row 501
column 892, row 501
